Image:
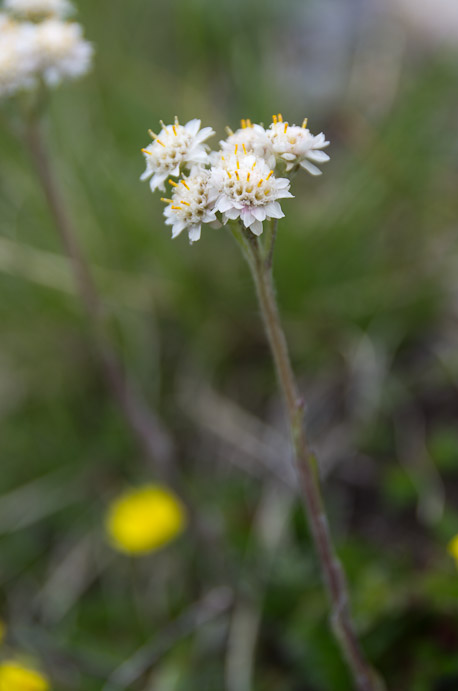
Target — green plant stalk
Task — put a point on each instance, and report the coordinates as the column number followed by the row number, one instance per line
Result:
column 145, row 425
column 365, row 678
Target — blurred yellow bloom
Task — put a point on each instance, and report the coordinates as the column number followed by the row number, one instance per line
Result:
column 144, row 519
column 15, row 677
column 453, row 548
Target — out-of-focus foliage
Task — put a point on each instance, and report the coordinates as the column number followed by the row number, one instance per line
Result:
column 366, row 270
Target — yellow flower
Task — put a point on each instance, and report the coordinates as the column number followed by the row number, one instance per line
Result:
column 453, row 548
column 144, row 519
column 15, row 677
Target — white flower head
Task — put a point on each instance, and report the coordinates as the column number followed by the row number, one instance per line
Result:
column 61, row 50
column 17, row 57
column 297, row 145
column 191, row 204
column 176, row 148
column 39, row 9
column 249, row 139
column 247, row 189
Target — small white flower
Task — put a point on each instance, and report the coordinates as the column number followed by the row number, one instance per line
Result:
column 297, row 145
column 62, row 52
column 39, row 9
column 17, row 56
column 177, row 147
column 249, row 139
column 247, row 189
column 191, row 205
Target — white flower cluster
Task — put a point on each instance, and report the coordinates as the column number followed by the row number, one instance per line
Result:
column 243, row 181
column 37, row 44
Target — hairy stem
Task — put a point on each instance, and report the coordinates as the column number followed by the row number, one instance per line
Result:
column 365, row 679
column 148, row 430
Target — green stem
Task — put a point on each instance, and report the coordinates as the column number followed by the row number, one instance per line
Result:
column 147, row 428
column 364, row 677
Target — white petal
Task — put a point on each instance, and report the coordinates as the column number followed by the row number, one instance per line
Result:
column 289, row 157
column 313, row 170
column 178, row 227
column 274, row 210
column 259, row 212
column 256, row 227
column 194, row 233
column 147, row 174
column 318, row 156
column 204, row 134
column 223, row 204
column 247, row 217
column 192, row 127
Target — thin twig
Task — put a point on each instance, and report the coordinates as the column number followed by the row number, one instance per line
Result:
column 364, row 677
column 149, row 431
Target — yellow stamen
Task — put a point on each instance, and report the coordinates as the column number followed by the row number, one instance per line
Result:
column 168, row 201
column 159, row 142
column 237, row 175
column 260, row 182
column 145, row 151
column 183, row 202
column 238, row 164
column 174, row 130
column 178, row 208
column 253, row 166
column 248, row 177
column 280, row 117
column 177, row 122
column 274, row 119
column 286, row 127
column 152, row 134
column 162, row 125
column 222, row 158
column 173, row 183
column 304, row 123
column 236, row 149
column 244, row 148
column 271, row 173
column 248, row 123
column 185, row 184
column 229, row 131
column 243, row 124
column 229, row 174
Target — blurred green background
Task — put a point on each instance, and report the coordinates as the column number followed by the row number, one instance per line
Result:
column 366, row 271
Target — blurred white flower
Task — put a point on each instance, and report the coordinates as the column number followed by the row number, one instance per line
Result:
column 297, row 145
column 61, row 51
column 191, row 205
column 17, row 56
column 39, row 9
column 246, row 188
column 176, row 147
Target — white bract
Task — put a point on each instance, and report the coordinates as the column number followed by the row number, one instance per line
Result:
column 191, row 205
column 62, row 53
column 247, row 189
column 17, row 57
column 297, row 145
column 39, row 9
column 176, row 148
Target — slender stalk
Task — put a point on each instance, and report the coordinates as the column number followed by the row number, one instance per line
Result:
column 365, row 679
column 148, row 430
